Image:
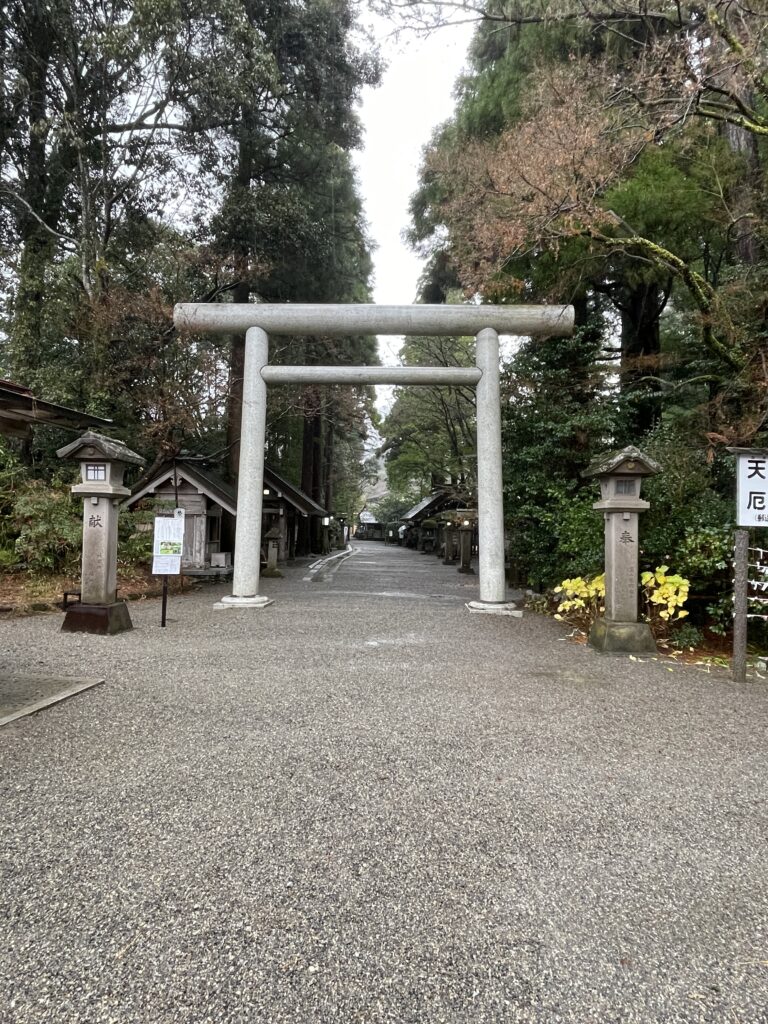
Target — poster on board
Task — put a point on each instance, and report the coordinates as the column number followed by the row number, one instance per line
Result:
column 168, row 544
column 166, row 565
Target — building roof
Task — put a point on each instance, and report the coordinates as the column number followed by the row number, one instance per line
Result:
column 195, row 472
column 419, row 510
column 20, row 409
column 300, row 499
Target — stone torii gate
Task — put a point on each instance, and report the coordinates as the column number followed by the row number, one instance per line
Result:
column 259, row 321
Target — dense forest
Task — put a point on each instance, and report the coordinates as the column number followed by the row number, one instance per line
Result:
column 613, row 157
column 605, row 155
column 162, row 152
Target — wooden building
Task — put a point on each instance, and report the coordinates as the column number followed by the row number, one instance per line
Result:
column 210, row 504
column 20, row 410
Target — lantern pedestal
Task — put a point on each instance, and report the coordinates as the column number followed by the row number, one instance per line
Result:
column 612, row 637
column 103, row 619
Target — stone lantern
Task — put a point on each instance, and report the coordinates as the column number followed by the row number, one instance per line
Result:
column 451, row 534
column 620, row 477
column 103, row 462
column 466, row 529
column 273, row 540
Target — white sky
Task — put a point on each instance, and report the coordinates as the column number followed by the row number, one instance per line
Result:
column 415, row 95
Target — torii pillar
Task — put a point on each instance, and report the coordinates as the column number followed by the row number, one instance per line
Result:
column 485, row 322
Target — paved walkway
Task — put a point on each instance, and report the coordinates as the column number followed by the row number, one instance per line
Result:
column 363, row 804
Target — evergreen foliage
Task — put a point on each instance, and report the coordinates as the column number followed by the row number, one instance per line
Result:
column 613, row 157
column 153, row 153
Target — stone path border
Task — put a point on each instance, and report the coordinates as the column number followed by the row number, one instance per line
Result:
column 24, row 695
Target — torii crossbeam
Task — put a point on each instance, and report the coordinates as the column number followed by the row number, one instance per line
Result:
column 486, row 323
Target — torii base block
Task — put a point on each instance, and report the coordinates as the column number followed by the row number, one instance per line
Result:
column 242, row 602
column 495, row 608
column 102, row 619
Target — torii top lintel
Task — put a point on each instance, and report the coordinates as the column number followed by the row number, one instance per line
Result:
column 356, row 318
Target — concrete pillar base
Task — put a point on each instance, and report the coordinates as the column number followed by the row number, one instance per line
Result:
column 466, row 569
column 102, row 619
column 611, row 637
column 495, row 608
column 242, row 602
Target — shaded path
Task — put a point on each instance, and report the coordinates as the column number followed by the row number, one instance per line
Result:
column 352, row 807
column 377, row 570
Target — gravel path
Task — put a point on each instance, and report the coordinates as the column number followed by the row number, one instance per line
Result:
column 363, row 804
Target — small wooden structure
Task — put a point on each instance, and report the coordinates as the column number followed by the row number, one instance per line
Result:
column 210, row 504
column 369, row 528
column 424, row 522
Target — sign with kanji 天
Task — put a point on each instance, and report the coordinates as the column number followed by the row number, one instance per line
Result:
column 752, row 487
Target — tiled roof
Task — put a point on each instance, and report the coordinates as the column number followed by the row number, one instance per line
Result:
column 224, row 493
column 20, row 409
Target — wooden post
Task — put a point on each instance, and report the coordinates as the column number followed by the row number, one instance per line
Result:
column 740, row 593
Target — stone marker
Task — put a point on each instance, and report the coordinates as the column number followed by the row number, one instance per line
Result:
column 102, row 466
column 450, row 544
column 465, row 548
column 620, row 477
column 273, row 539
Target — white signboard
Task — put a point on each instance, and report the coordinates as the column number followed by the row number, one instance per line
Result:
column 169, row 534
column 168, row 544
column 166, row 565
column 752, row 488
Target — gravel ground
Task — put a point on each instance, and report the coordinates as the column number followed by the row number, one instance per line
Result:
column 363, row 804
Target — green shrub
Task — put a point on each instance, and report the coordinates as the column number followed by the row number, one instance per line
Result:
column 49, row 528
column 685, row 635
column 8, row 559
column 135, row 535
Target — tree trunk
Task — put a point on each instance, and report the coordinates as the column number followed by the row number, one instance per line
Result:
column 744, row 194
column 241, row 293
column 640, row 309
column 317, row 478
column 328, row 481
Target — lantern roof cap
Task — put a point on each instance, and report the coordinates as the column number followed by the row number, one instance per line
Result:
column 99, row 447
column 629, row 460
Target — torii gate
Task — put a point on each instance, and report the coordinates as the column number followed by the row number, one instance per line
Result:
column 259, row 321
